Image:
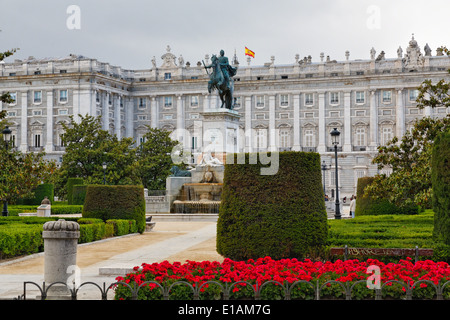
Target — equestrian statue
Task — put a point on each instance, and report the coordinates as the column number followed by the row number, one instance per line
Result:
column 221, row 79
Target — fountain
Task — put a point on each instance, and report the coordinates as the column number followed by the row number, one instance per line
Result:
column 202, row 195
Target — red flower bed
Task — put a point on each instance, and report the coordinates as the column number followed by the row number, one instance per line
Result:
column 244, row 278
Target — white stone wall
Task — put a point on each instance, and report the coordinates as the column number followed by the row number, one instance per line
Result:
column 282, row 107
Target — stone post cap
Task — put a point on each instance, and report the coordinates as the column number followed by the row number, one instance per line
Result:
column 61, row 225
column 45, row 200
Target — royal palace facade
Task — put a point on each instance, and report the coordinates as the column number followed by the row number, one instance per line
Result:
column 281, row 107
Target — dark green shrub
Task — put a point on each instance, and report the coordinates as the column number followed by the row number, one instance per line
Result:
column 281, row 215
column 366, row 205
column 116, row 202
column 78, row 194
column 70, row 183
column 440, row 179
column 43, row 190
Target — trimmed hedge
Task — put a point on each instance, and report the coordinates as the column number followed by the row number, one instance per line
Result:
column 116, row 202
column 23, row 235
column 365, row 205
column 281, row 215
column 78, row 194
column 70, row 183
column 440, row 179
column 40, row 192
column 14, row 210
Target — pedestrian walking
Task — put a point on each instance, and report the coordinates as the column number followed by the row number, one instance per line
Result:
column 352, row 206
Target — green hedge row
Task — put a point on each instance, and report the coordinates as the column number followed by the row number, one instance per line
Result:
column 116, row 202
column 388, row 231
column 365, row 205
column 14, row 210
column 23, row 235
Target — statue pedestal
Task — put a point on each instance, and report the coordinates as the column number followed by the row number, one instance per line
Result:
column 220, row 129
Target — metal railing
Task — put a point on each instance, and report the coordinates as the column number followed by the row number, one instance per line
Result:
column 226, row 288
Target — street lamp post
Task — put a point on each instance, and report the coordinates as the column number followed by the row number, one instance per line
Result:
column 7, row 138
column 335, row 138
column 324, row 168
column 104, row 173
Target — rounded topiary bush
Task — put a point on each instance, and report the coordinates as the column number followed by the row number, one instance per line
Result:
column 280, row 215
column 116, row 202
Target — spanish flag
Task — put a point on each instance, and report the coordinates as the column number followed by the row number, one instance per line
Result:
column 249, row 52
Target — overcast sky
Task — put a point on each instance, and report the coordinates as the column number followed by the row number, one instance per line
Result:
column 129, row 33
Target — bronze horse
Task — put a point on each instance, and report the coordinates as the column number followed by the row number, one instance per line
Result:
column 219, row 82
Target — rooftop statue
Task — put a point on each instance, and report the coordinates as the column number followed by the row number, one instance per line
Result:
column 221, row 79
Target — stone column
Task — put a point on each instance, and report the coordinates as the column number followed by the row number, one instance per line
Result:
column 322, row 130
column 105, row 111
column 296, row 146
column 248, row 124
column 24, row 123
column 154, row 111
column 347, row 123
column 49, row 124
column 400, row 114
column 129, row 116
column 373, row 122
column 117, row 122
column 272, row 131
column 60, row 255
column 180, row 121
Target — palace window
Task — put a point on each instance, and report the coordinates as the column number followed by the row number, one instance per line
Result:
column 309, row 138
column 260, row 101
column 194, row 101
column 13, row 96
column 309, row 99
column 37, row 140
column 360, row 98
column 62, row 95
column 37, row 96
column 167, row 76
column 284, row 100
column 141, row 103
column 334, row 97
column 387, row 96
column 360, row 136
column 167, row 102
column 387, row 135
column 413, row 94
column 284, row 138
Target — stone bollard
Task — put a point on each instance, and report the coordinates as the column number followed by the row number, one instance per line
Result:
column 60, row 252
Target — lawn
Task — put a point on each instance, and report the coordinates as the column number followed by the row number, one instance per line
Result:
column 388, row 231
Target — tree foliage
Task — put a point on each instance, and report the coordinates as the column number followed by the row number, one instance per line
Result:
column 88, row 147
column 410, row 157
column 21, row 173
column 154, row 159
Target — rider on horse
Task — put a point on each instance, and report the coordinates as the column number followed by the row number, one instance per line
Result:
column 221, row 78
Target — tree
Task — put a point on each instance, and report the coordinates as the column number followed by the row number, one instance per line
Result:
column 410, row 180
column 88, row 147
column 154, row 158
column 410, row 157
column 22, row 173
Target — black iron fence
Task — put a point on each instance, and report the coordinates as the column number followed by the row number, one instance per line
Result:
column 346, row 289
